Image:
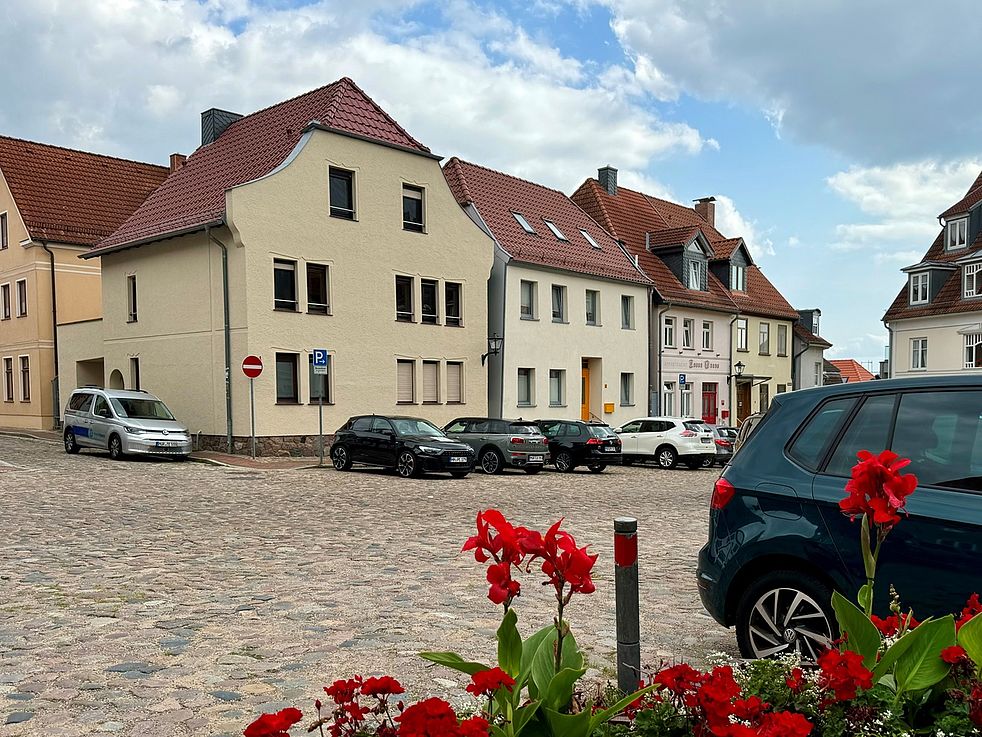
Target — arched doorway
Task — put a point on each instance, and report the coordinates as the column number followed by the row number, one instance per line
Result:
column 116, row 379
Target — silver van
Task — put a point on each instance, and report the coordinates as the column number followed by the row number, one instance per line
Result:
column 123, row 422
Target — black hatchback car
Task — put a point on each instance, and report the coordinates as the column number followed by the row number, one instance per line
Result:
column 778, row 542
column 575, row 443
column 408, row 444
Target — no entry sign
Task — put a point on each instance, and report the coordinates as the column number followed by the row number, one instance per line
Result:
column 252, row 366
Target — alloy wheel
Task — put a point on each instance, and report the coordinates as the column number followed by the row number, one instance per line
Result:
column 666, row 459
column 340, row 459
column 564, row 462
column 490, row 462
column 115, row 447
column 70, row 445
column 406, row 466
column 785, row 620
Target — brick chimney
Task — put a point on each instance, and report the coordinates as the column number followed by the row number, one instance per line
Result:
column 214, row 122
column 607, row 177
column 177, row 161
column 706, row 207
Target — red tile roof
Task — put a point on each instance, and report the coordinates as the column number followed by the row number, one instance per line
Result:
column 496, row 196
column 851, row 371
column 809, row 337
column 251, row 147
column 73, row 197
column 966, row 203
column 630, row 215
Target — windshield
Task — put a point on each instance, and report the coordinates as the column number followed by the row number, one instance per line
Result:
column 417, row 427
column 601, row 431
column 141, row 409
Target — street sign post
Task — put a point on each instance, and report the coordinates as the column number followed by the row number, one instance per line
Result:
column 681, row 379
column 252, row 367
column 319, row 362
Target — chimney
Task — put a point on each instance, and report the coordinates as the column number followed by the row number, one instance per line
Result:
column 177, row 161
column 706, row 207
column 214, row 122
column 608, row 179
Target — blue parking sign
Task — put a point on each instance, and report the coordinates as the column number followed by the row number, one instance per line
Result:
column 319, row 361
column 681, row 379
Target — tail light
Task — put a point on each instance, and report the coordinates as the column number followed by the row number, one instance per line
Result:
column 723, row 443
column 688, row 434
column 723, row 493
column 594, row 441
column 517, row 441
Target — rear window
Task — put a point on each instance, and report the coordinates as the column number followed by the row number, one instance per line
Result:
column 79, row 402
column 523, row 428
column 696, row 426
column 600, row 431
column 819, row 431
column 362, row 424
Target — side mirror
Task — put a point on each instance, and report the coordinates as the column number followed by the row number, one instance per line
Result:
column 388, row 433
column 618, row 430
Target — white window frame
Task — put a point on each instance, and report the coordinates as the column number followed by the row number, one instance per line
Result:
column 557, row 379
column 589, row 239
column 555, row 231
column 738, row 278
column 956, row 234
column 764, row 339
column 818, row 373
column 414, row 192
column 316, row 308
column 972, row 273
column 286, row 264
column 17, row 300
column 563, row 302
column 530, row 374
column 627, row 389
column 533, row 313
column 743, row 331
column 668, row 332
column 596, row 307
column 412, row 380
column 707, row 335
column 973, row 344
column 695, row 274
column 782, row 340
column 688, row 330
column 435, row 367
column 627, row 311
column 919, row 289
column 520, row 219
column 685, row 405
column 918, row 354
column 668, row 399
column 457, row 366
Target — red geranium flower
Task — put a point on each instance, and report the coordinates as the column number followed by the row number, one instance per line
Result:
column 784, row 724
column 679, row 679
column 972, row 607
column 382, row 686
column 796, row 681
column 955, row 654
column 274, row 725
column 878, row 489
column 843, row 674
column 343, row 690
column 473, row 727
column 429, row 718
column 486, row 682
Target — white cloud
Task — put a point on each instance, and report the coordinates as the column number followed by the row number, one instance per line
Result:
column 732, row 223
column 901, row 258
column 141, row 71
column 793, row 241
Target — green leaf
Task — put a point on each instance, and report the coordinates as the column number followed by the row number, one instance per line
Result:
column 510, row 645
column 529, row 649
column 861, row 634
column 559, row 693
column 865, row 597
column 885, row 666
column 543, row 667
column 921, row 665
column 970, row 638
column 522, row 716
column 569, row 725
column 602, row 716
column 454, row 661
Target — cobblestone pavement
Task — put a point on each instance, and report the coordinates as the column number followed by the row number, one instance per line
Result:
column 152, row 598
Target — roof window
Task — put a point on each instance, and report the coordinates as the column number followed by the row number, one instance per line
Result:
column 524, row 223
column 956, row 234
column 555, row 231
column 589, row 238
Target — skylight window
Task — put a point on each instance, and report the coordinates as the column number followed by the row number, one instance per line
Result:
column 524, row 223
column 555, row 231
column 589, row 238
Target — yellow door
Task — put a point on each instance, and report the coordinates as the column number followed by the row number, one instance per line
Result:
column 585, row 394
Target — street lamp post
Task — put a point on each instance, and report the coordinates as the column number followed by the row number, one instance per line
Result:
column 494, row 347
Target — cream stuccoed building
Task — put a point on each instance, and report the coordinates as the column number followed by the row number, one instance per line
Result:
column 569, row 304
column 316, row 223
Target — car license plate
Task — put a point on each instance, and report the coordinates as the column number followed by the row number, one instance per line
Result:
column 535, row 459
column 165, row 444
column 610, row 449
column 707, row 440
column 458, row 459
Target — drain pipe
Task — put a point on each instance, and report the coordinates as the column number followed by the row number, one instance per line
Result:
column 732, row 380
column 228, row 339
column 54, row 336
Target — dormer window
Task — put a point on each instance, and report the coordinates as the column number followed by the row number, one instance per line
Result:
column 973, row 280
column 738, row 278
column 919, row 289
column 956, row 234
column 555, row 231
column 524, row 223
column 815, row 326
column 695, row 275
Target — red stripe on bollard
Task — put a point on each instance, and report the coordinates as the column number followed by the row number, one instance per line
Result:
column 625, row 549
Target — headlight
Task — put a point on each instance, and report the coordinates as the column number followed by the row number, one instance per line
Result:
column 134, row 430
column 429, row 449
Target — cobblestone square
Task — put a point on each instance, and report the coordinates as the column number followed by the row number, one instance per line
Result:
column 157, row 598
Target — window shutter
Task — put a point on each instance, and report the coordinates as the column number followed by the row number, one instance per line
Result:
column 405, row 381
column 454, row 382
column 431, row 392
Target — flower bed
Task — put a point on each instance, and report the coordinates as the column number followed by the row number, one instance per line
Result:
column 888, row 676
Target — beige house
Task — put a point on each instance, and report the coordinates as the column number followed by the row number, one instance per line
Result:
column 315, row 223
column 55, row 203
column 569, row 304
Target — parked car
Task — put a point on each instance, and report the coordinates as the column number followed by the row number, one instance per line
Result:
column 748, row 425
column 500, row 444
column 667, row 440
column 409, row 445
column 779, row 543
column 575, row 443
column 723, row 438
column 124, row 423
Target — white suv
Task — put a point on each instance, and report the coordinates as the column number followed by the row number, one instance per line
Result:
column 667, row 440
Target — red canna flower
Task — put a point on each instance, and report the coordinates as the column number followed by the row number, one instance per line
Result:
column 784, row 724
column 843, row 674
column 564, row 563
column 496, row 538
column 503, row 587
column 382, row 686
column 878, row 489
column 891, row 626
column 274, row 725
column 972, row 607
column 954, row 655
column 487, row 682
column 796, row 681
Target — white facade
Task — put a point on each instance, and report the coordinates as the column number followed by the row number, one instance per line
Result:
column 936, row 346
column 810, row 368
column 695, row 344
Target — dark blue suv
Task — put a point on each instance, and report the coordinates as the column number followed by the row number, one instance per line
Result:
column 778, row 543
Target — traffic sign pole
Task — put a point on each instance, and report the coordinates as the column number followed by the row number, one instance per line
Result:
column 252, row 413
column 320, row 420
column 319, row 363
column 252, row 366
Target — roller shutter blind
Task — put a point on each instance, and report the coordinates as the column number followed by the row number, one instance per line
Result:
column 431, row 381
column 405, row 375
column 455, row 381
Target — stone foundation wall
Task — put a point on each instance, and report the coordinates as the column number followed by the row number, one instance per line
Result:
column 282, row 446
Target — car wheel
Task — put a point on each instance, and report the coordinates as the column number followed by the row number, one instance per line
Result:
column 115, row 448
column 71, row 445
column 532, row 470
column 564, row 461
column 340, row 458
column 491, row 461
column 667, row 457
column 785, row 612
column 459, row 474
column 597, row 467
column 708, row 462
column 406, row 466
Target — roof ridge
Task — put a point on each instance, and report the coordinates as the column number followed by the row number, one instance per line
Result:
column 458, row 172
column 351, row 83
column 609, row 226
column 510, row 176
column 283, row 102
column 80, row 151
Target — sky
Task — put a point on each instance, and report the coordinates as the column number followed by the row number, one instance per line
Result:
column 831, row 132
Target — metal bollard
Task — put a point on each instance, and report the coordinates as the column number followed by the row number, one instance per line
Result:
column 627, row 605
